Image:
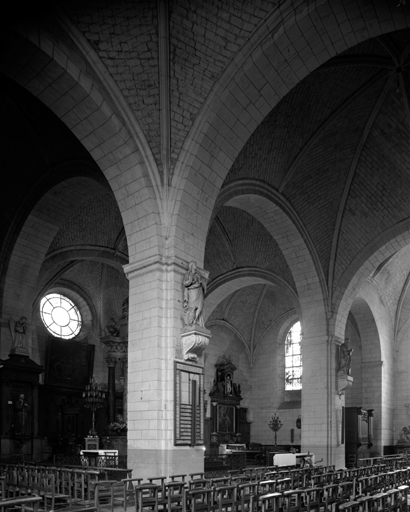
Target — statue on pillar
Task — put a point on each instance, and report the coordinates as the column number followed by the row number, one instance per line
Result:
column 111, row 329
column 194, row 335
column 18, row 332
column 21, row 416
column 345, row 357
column 344, row 379
column 194, row 296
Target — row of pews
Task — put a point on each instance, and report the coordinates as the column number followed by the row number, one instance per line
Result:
column 382, row 487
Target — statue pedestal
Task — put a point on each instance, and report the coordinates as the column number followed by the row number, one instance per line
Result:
column 194, row 341
column 344, row 381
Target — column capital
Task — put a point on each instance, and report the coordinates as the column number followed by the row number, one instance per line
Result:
column 117, row 347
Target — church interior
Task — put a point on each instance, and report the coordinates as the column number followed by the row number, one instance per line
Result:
column 264, row 141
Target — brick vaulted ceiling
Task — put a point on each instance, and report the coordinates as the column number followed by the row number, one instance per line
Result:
column 342, row 131
column 334, row 147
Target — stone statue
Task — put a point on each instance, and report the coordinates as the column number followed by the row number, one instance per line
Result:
column 345, row 357
column 194, row 295
column 18, row 332
column 21, row 416
column 125, row 306
column 111, row 329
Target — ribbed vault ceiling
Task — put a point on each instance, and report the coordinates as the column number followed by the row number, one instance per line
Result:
column 341, row 131
column 344, row 129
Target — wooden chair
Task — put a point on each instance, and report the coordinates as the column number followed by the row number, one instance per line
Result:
column 146, row 497
column 195, row 476
column 314, row 499
column 65, row 483
column 220, row 481
column 159, row 480
column 247, row 497
column 175, row 496
column 128, row 499
column 11, row 482
column 199, row 483
column 23, row 482
column 53, row 500
column 103, row 494
column 177, row 478
column 294, row 501
column 199, row 500
column 350, row 506
column 266, row 487
column 346, row 490
column 91, row 477
column 402, row 498
column 270, row 502
column 330, row 497
column 79, row 492
column 118, row 494
column 283, row 484
column 240, row 479
column 30, row 503
column 225, row 498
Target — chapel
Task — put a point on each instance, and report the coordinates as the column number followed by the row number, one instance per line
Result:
column 205, row 235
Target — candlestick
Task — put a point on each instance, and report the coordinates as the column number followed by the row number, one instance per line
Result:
column 275, row 424
column 94, row 398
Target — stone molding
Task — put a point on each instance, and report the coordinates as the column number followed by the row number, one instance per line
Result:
column 159, row 263
column 155, row 263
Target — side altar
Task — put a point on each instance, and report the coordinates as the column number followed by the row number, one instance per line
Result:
column 225, row 397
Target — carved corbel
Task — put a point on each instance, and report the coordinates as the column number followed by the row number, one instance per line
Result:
column 344, row 382
column 194, row 344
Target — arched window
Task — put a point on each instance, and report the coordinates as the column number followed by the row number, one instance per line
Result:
column 60, row 315
column 293, row 358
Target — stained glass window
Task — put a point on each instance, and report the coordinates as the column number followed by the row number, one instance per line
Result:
column 293, row 358
column 60, row 315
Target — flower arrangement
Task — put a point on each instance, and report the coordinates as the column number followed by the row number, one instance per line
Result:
column 119, row 426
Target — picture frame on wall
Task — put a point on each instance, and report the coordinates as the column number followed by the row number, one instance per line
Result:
column 68, row 363
column 226, row 418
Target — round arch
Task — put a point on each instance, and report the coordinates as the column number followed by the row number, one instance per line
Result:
column 101, row 122
column 366, row 262
column 234, row 280
column 33, row 238
column 284, row 225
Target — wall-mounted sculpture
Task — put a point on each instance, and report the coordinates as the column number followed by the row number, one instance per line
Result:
column 194, row 336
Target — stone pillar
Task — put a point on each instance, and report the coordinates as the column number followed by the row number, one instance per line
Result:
column 154, row 336
column 111, row 362
column 321, row 402
column 372, row 398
